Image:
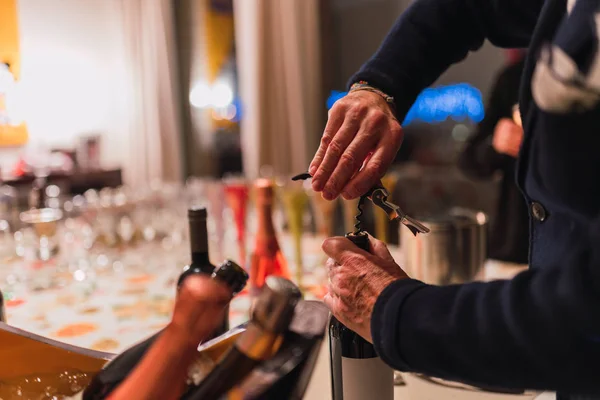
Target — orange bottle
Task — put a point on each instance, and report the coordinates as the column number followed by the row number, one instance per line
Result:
column 267, row 258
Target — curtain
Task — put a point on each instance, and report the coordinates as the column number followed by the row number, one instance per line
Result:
column 153, row 126
column 279, row 67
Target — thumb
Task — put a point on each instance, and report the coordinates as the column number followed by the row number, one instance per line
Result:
column 379, row 249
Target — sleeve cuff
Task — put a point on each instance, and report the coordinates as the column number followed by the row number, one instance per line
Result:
column 404, row 95
column 384, row 320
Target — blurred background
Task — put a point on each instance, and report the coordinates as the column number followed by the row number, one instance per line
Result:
column 170, row 89
column 117, row 115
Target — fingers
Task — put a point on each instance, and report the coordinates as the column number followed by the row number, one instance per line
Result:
column 379, row 249
column 343, row 251
column 354, row 156
column 335, row 150
column 334, row 122
column 374, row 169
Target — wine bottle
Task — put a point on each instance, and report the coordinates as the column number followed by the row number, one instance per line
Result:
column 267, row 258
column 357, row 372
column 200, row 255
column 271, row 317
column 229, row 273
column 117, row 371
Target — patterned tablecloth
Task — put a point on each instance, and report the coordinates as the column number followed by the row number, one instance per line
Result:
column 112, row 308
column 115, row 307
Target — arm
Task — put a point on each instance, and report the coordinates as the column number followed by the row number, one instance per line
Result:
column 429, row 37
column 540, row 330
column 479, row 158
column 434, row 34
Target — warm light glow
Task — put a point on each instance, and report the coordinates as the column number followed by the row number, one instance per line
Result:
column 9, row 110
column 222, row 95
column 201, row 95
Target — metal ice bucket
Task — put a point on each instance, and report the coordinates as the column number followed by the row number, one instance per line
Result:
column 453, row 252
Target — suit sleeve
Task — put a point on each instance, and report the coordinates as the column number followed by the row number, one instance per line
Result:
column 540, row 330
column 431, row 35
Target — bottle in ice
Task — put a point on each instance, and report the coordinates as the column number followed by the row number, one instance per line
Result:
column 267, row 258
column 229, row 274
column 357, row 372
column 271, row 317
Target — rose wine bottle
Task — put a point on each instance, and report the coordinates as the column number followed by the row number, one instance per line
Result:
column 357, row 372
column 267, row 258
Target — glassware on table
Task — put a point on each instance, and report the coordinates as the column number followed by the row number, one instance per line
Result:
column 9, row 208
column 7, row 244
column 236, row 195
column 324, row 213
column 267, row 258
column 44, row 222
column 216, row 223
column 295, row 199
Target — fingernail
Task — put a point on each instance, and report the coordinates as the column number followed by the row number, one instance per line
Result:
column 312, row 170
column 328, row 195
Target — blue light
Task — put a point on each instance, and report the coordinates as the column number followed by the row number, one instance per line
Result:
column 434, row 105
column 333, row 97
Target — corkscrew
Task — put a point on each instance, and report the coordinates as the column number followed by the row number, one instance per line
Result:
column 378, row 195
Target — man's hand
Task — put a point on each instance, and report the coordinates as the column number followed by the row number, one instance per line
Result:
column 361, row 129
column 356, row 279
column 507, row 137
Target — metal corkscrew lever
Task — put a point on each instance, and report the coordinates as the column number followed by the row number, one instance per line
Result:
column 378, row 195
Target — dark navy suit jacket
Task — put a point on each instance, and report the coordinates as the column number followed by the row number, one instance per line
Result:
column 540, row 330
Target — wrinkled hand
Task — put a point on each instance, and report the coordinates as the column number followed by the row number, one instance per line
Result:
column 361, row 129
column 507, row 137
column 356, row 279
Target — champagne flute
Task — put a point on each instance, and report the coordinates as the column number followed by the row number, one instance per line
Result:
column 295, row 199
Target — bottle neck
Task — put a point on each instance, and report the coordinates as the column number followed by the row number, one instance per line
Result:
column 201, row 259
column 265, row 219
column 198, row 240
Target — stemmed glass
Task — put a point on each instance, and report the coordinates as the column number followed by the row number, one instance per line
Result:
column 295, row 199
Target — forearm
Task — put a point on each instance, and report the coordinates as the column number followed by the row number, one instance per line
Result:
column 434, row 34
column 537, row 331
column 162, row 373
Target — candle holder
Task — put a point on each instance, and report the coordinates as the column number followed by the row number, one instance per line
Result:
column 236, row 195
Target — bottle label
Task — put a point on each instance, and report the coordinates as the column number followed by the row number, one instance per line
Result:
column 367, row 378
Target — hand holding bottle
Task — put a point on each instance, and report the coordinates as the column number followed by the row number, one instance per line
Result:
column 356, row 278
column 162, row 373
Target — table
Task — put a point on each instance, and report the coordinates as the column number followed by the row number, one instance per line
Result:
column 125, row 305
